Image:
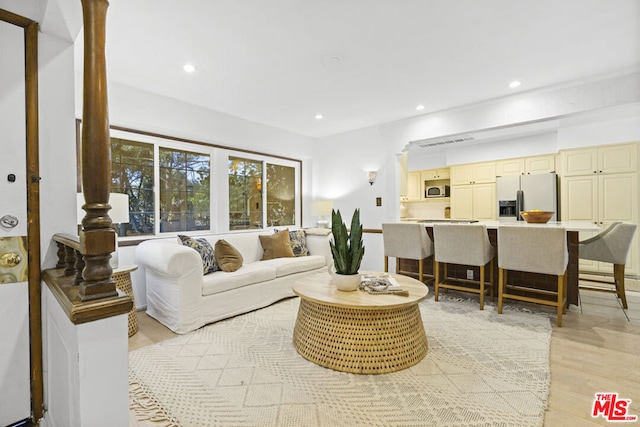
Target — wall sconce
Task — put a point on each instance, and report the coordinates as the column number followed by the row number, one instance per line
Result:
column 372, row 177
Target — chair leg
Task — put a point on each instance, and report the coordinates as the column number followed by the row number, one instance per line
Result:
column 491, row 282
column 436, row 282
column 560, row 298
column 420, row 270
column 618, row 276
column 482, row 287
column 501, row 279
column 386, row 264
column 565, row 282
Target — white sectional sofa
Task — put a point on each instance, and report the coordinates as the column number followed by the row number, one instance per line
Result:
column 182, row 298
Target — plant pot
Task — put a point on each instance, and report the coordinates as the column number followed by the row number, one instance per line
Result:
column 346, row 282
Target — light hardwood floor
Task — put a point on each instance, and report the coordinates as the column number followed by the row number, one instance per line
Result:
column 597, row 350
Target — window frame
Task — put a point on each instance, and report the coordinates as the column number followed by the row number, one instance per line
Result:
column 219, row 181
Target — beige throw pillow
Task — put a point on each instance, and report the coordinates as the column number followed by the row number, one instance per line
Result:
column 228, row 257
column 277, row 245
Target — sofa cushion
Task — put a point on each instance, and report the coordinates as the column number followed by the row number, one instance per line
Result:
column 204, row 248
column 286, row 266
column 228, row 257
column 246, row 275
column 276, row 245
column 298, row 239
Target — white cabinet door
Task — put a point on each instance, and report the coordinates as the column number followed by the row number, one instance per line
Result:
column 462, row 202
column 484, row 201
column 540, row 164
column 510, row 167
column 579, row 162
column 618, row 158
column 461, row 175
column 580, row 199
column 484, row 172
column 414, row 186
column 617, row 203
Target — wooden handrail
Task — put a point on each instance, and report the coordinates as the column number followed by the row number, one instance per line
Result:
column 65, row 284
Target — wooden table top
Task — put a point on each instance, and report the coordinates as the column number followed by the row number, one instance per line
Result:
column 318, row 288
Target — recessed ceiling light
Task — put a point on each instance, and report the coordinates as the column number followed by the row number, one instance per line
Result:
column 319, row 116
column 514, row 84
column 189, row 68
column 420, row 107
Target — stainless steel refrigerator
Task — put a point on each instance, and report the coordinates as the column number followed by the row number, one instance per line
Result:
column 526, row 192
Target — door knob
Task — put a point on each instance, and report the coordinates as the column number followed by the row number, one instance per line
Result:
column 10, row 259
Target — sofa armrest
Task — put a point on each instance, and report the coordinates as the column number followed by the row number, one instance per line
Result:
column 318, row 243
column 167, row 258
column 173, row 280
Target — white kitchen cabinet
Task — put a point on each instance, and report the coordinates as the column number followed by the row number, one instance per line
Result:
column 602, row 199
column 473, row 201
column 474, row 173
column 510, row 167
column 540, row 164
column 462, row 202
column 414, row 186
column 606, row 159
column 526, row 165
column 435, row 174
column 484, row 201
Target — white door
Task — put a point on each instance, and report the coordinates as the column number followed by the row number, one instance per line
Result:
column 15, row 392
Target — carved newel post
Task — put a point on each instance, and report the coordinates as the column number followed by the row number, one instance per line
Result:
column 97, row 238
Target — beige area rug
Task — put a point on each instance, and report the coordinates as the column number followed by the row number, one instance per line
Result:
column 482, row 369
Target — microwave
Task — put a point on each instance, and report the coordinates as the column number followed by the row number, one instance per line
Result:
column 436, row 191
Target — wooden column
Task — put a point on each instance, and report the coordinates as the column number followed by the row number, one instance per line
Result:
column 97, row 238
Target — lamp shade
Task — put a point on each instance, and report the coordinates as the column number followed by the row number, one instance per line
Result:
column 119, row 212
column 321, row 207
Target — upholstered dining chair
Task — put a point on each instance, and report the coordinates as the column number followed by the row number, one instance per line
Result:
column 406, row 241
column 541, row 250
column 465, row 244
column 612, row 245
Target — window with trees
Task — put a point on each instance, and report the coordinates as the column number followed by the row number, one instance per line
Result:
column 248, row 195
column 171, row 183
column 184, row 191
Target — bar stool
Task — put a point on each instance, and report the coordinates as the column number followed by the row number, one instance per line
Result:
column 466, row 244
column 406, row 241
column 536, row 250
column 612, row 245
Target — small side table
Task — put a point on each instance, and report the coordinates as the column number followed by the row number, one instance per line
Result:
column 122, row 277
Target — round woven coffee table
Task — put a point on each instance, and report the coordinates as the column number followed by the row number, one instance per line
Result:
column 358, row 332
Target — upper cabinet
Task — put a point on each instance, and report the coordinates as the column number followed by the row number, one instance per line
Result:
column 526, row 165
column 417, row 181
column 435, row 174
column 510, row 167
column 540, row 164
column 600, row 160
column 475, row 173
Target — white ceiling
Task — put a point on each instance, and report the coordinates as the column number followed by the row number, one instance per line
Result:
column 271, row 61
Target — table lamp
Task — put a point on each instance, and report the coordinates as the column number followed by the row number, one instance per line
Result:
column 321, row 209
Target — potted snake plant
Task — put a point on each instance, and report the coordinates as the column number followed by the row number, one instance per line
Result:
column 347, row 250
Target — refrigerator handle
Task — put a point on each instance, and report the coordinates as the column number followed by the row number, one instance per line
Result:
column 519, row 204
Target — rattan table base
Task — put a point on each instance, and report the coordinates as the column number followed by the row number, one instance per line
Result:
column 360, row 340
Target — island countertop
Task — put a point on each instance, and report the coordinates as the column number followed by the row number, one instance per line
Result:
column 495, row 224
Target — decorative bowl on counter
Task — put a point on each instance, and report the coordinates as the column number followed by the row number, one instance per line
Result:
column 536, row 217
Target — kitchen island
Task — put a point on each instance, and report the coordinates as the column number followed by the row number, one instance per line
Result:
column 534, row 280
